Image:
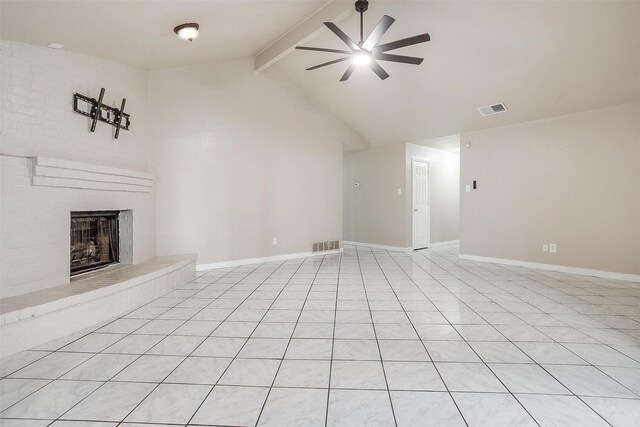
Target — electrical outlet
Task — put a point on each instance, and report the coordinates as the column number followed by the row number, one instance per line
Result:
column 553, row 248
column 275, row 241
column 545, row 248
column 467, row 188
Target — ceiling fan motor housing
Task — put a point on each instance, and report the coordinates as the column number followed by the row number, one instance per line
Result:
column 362, row 6
column 369, row 51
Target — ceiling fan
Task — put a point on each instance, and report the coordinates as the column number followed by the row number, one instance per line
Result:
column 368, row 52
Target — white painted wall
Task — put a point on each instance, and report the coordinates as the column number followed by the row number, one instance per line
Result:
column 375, row 213
column 37, row 89
column 571, row 180
column 241, row 158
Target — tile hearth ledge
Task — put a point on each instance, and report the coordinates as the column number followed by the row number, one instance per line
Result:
column 30, row 319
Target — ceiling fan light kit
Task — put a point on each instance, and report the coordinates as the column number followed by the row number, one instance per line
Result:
column 362, row 59
column 369, row 52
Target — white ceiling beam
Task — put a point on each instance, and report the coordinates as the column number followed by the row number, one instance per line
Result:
column 334, row 10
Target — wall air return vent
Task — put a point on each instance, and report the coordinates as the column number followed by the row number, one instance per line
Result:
column 492, row 109
column 329, row 245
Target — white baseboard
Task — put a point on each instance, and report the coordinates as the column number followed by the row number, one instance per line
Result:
column 374, row 246
column 552, row 267
column 448, row 242
column 247, row 261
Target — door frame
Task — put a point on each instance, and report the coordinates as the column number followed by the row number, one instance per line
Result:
column 413, row 161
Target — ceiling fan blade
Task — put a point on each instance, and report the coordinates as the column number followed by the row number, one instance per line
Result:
column 345, row 38
column 378, row 32
column 321, row 49
column 401, row 43
column 399, row 58
column 378, row 70
column 348, row 73
column 335, row 61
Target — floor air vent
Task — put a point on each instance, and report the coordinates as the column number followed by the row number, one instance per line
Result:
column 492, row 109
column 329, row 245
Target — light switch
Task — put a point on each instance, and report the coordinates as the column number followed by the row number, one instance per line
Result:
column 553, row 248
column 467, row 188
column 399, row 191
column 275, row 241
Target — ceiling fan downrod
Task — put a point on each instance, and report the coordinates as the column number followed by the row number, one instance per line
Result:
column 361, row 8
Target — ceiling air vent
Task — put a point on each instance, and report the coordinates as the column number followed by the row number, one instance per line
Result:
column 492, row 109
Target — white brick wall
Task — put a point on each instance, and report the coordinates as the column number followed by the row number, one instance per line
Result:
column 37, row 87
column 36, row 90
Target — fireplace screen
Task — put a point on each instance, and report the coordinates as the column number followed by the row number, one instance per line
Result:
column 94, row 240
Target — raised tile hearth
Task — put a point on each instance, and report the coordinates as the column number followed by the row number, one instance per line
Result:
column 34, row 318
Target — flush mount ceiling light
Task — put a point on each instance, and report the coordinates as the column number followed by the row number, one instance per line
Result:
column 368, row 52
column 187, row 31
column 55, row 45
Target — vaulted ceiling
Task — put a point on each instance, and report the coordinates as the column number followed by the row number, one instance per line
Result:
column 541, row 58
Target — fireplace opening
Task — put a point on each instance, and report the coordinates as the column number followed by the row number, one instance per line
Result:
column 94, row 240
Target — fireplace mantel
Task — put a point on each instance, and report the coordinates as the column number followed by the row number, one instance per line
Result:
column 50, row 172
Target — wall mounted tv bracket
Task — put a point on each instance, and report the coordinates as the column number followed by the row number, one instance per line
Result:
column 96, row 110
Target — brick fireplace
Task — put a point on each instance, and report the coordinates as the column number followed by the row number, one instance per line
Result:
column 39, row 196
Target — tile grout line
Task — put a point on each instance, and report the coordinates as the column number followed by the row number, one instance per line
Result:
column 239, row 281
column 421, row 341
column 146, row 352
column 518, row 400
column 472, row 349
column 248, row 337
column 375, row 334
column 264, row 404
column 562, row 344
column 333, row 338
column 94, row 354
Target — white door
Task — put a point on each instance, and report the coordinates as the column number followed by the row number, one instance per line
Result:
column 420, row 204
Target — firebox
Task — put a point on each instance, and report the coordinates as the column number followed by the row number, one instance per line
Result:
column 94, row 240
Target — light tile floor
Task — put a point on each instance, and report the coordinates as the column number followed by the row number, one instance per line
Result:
column 366, row 338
